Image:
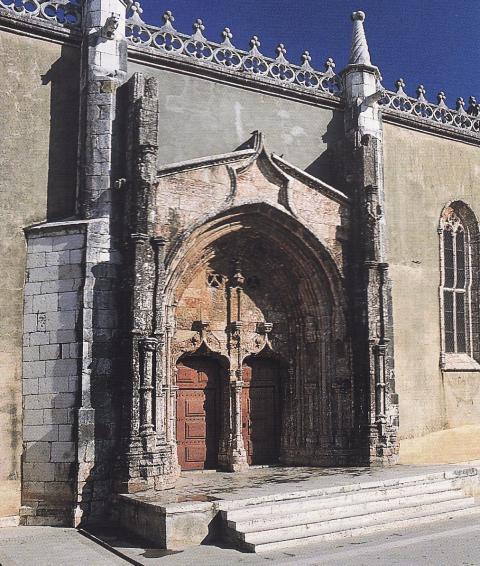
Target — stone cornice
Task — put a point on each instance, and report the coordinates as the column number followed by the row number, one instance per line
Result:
column 153, row 58
column 390, row 116
column 59, row 225
column 310, row 180
column 32, row 26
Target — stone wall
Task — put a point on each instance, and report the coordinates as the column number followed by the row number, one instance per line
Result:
column 51, row 357
column 38, row 162
column 420, row 180
column 70, row 337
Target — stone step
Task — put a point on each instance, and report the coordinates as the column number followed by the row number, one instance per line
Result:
column 362, row 531
column 301, row 515
column 380, row 519
column 461, row 474
column 312, row 501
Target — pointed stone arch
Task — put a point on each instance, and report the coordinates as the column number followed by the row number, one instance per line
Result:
column 276, row 288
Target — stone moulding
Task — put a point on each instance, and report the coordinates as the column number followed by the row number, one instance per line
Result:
column 236, row 156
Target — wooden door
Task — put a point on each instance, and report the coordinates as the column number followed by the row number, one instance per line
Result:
column 197, row 414
column 260, row 411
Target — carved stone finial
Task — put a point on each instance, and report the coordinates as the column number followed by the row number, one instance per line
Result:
column 198, row 28
column 358, row 16
column 134, row 10
column 281, row 51
column 359, row 54
column 329, row 63
column 227, row 36
column 168, row 17
column 198, row 25
column 460, row 105
column 330, row 66
column 400, row 84
column 306, row 57
column 441, row 98
column 421, row 93
column 254, row 42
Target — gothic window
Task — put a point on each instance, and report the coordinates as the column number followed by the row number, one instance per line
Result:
column 459, row 287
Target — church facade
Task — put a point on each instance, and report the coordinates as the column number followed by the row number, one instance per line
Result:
column 216, row 259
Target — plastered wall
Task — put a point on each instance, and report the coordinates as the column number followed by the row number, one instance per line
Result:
column 201, row 117
column 422, row 173
column 39, row 117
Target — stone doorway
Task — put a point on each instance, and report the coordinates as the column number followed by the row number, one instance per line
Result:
column 261, row 410
column 198, row 413
column 270, row 314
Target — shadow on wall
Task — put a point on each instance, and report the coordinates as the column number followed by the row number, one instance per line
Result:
column 99, row 440
column 325, row 166
column 63, row 78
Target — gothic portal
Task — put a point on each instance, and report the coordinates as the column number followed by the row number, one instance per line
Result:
column 241, row 290
column 254, row 320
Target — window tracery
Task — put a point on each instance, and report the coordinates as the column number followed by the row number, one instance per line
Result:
column 215, row 280
column 459, row 286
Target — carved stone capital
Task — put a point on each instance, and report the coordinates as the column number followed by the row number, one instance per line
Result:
column 236, row 327
column 138, row 238
column 149, row 344
column 159, row 241
column 380, row 349
column 264, row 327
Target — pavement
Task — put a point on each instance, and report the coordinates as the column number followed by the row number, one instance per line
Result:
column 50, row 546
column 450, row 543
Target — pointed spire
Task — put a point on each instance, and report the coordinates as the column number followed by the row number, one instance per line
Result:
column 359, row 54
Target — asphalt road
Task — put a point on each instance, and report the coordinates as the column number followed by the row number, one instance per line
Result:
column 452, row 543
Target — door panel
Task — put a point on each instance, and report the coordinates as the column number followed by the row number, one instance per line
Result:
column 260, row 411
column 197, row 414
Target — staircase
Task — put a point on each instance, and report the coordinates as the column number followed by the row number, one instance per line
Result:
column 346, row 511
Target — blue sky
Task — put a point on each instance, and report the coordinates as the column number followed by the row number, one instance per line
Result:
column 435, row 43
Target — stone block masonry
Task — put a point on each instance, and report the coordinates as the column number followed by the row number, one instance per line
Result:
column 70, row 324
column 51, row 368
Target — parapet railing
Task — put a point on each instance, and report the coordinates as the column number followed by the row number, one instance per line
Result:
column 225, row 56
column 67, row 13
column 466, row 120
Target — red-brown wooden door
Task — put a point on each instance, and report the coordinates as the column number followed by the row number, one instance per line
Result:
column 261, row 411
column 197, row 414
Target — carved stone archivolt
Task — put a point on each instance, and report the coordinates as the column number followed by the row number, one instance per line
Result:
column 251, row 291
